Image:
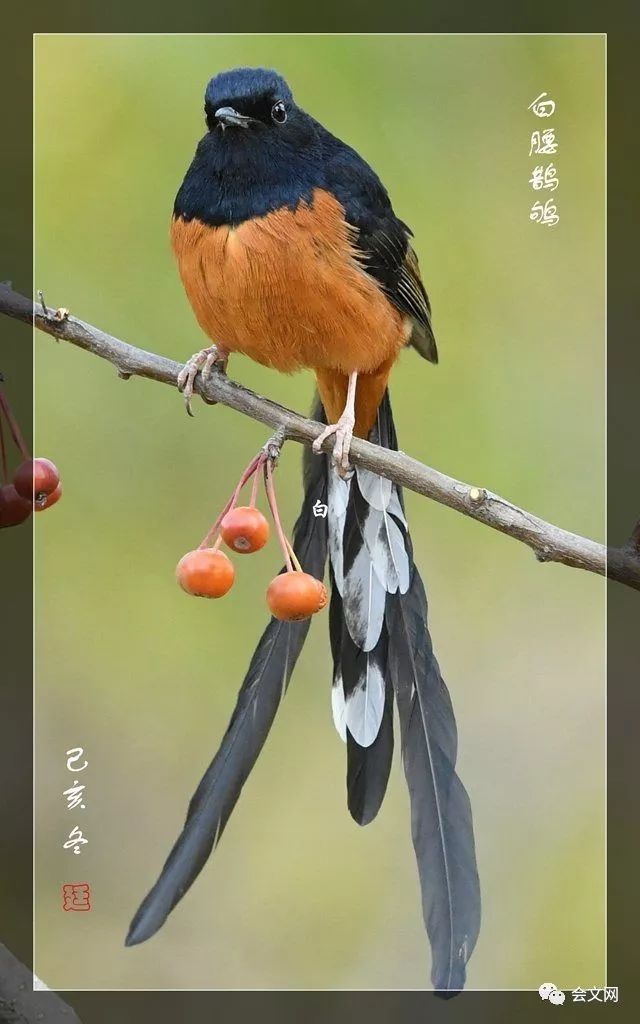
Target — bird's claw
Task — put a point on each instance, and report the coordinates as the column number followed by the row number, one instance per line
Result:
column 201, row 362
column 343, row 431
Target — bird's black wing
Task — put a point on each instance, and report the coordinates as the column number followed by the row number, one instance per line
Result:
column 381, row 239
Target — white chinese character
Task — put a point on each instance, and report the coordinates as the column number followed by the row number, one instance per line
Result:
column 544, row 177
column 75, row 840
column 542, row 107
column 74, row 755
column 543, row 142
column 579, row 995
column 595, row 995
column 320, row 510
column 611, row 994
column 546, row 214
column 74, row 796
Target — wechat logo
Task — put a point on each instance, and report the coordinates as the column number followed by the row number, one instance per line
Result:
column 552, row 994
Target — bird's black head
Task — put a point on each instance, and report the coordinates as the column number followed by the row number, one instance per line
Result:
column 261, row 150
column 248, row 98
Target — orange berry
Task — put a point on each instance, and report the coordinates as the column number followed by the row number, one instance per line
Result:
column 36, row 478
column 295, row 595
column 47, row 500
column 205, row 573
column 14, row 509
column 244, row 530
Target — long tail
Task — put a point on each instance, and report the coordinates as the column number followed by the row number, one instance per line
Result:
column 381, row 646
column 260, row 695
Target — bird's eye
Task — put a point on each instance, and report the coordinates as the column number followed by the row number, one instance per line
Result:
column 279, row 112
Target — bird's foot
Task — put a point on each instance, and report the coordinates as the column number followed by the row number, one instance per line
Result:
column 202, row 362
column 343, row 431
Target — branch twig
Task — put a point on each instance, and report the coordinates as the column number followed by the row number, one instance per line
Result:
column 550, row 543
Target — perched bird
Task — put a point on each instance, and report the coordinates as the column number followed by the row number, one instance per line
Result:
column 290, row 252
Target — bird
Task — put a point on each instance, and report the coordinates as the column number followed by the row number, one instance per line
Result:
column 290, row 253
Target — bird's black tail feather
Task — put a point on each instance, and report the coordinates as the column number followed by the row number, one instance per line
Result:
column 260, row 695
column 381, row 647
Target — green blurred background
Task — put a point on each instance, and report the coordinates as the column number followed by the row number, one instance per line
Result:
column 297, row 896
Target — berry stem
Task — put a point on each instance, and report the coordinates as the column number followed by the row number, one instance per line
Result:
column 273, row 505
column 13, row 426
column 3, row 455
column 254, row 488
column 294, row 557
column 248, row 473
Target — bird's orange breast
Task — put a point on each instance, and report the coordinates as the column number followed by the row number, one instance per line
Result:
column 287, row 289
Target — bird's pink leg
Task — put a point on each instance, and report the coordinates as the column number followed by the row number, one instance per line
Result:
column 203, row 362
column 343, row 430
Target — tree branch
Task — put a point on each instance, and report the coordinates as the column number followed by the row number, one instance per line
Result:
column 21, row 1003
column 550, row 543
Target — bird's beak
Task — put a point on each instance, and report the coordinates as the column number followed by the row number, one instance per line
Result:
column 229, row 117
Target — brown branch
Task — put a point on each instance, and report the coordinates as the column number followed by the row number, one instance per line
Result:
column 20, row 1004
column 550, row 543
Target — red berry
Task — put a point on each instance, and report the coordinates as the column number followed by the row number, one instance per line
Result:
column 14, row 509
column 47, row 500
column 36, row 478
column 205, row 573
column 295, row 595
column 244, row 530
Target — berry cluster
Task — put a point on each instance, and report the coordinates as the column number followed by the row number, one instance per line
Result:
column 36, row 482
column 209, row 572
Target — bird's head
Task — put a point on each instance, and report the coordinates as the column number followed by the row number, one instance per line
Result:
column 254, row 106
column 261, row 150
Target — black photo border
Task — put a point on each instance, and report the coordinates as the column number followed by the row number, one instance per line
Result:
column 623, row 368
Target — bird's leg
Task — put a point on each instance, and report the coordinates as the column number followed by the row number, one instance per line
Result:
column 202, row 361
column 343, row 430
